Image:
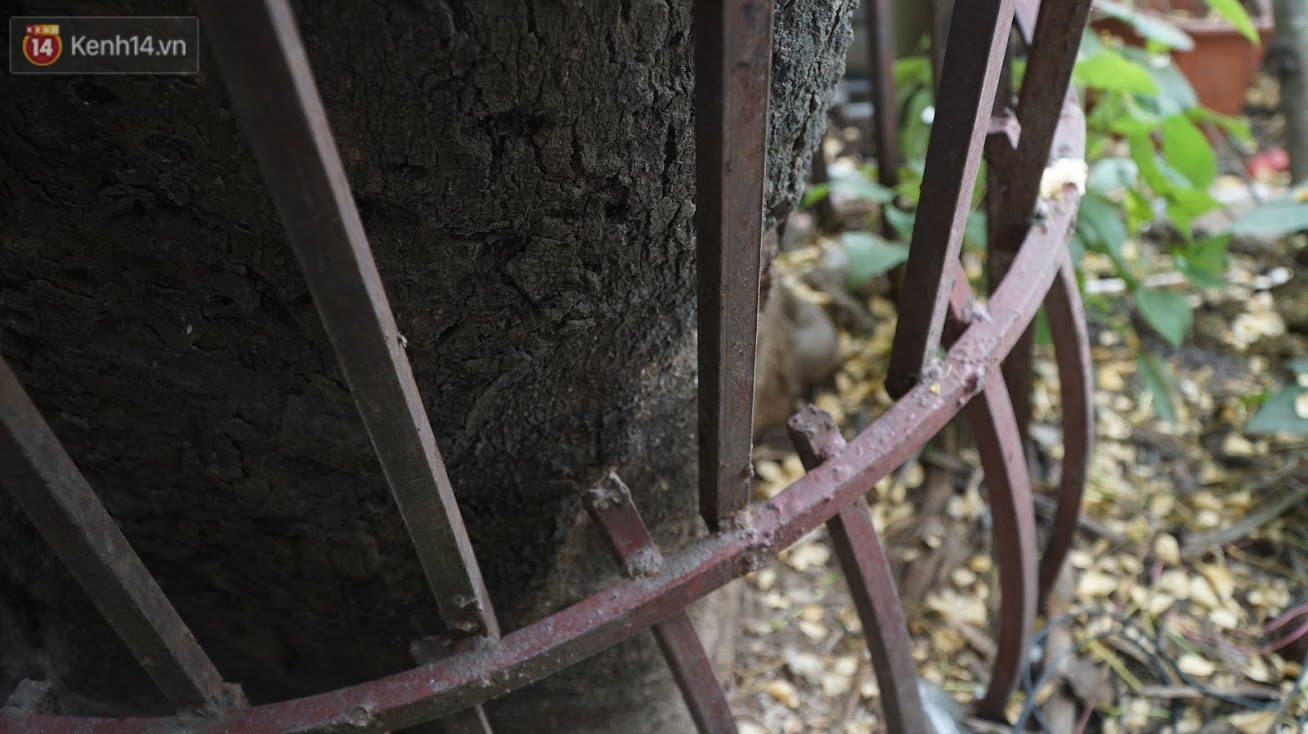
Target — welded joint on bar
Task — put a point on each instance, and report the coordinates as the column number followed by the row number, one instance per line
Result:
column 610, row 505
column 815, row 435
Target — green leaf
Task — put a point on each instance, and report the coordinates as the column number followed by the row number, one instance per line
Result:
column 1180, row 219
column 814, row 194
column 1236, row 15
column 901, row 220
column 862, row 188
column 1158, row 381
column 1193, row 201
column 1146, row 161
column 1076, row 246
column 1137, row 207
column 1137, row 123
column 916, row 133
column 1110, row 71
column 1110, row 174
column 1277, row 414
column 1235, row 125
column 1273, row 218
column 1205, row 261
column 1167, row 311
column 1099, row 222
column 1102, row 117
column 912, row 70
column 975, row 235
column 870, row 256
column 1018, row 71
column 1043, row 336
column 1175, row 93
column 1187, row 150
column 858, row 186
column 1150, row 27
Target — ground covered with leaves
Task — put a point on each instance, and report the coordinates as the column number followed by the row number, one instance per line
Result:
column 1184, row 603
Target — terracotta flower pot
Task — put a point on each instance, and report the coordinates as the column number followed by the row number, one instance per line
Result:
column 1222, row 63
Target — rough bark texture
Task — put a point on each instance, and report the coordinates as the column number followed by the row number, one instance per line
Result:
column 524, row 171
column 1291, row 65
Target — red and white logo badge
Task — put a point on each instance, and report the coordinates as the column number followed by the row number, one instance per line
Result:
column 42, row 44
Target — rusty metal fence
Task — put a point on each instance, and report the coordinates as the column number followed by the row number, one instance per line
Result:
column 264, row 64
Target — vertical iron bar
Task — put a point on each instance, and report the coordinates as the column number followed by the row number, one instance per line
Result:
column 610, row 506
column 941, row 13
column 733, row 61
column 885, row 118
column 47, row 486
column 264, row 64
column 1052, row 45
column 871, row 582
column 965, row 96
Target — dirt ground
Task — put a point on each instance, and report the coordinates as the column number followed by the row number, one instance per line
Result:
column 1184, row 604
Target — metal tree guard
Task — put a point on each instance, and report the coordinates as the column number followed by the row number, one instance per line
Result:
column 264, row 64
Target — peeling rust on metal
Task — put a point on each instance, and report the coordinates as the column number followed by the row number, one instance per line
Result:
column 733, row 63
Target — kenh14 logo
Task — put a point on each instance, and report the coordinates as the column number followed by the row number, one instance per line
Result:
column 42, row 44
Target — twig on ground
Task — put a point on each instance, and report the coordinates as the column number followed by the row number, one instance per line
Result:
column 1169, row 692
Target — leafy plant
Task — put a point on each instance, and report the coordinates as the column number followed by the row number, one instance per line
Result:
column 1150, row 159
column 1285, row 411
column 1282, row 215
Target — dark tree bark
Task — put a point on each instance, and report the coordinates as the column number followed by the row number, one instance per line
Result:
column 524, row 171
column 1290, row 61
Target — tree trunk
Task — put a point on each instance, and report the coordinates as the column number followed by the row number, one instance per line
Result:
column 1291, row 64
column 525, row 173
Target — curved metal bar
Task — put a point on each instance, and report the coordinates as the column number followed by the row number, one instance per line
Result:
column 634, row 605
column 1013, row 529
column 1010, row 484
column 1072, row 353
column 1010, row 487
